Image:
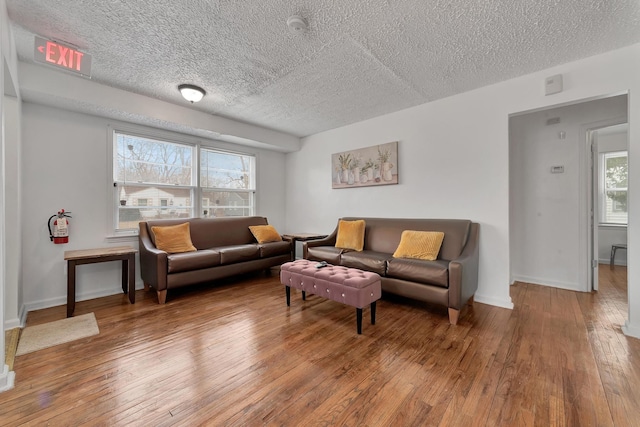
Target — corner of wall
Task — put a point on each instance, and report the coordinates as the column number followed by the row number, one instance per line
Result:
column 631, row 330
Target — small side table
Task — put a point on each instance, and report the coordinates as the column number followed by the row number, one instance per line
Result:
column 126, row 254
column 614, row 248
column 301, row 237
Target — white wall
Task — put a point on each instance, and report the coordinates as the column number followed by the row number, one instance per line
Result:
column 545, row 233
column 453, row 159
column 66, row 166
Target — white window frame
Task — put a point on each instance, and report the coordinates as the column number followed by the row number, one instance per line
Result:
column 602, row 190
column 250, row 190
column 167, row 136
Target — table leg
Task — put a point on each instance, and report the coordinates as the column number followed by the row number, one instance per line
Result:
column 71, row 287
column 131, row 280
column 125, row 275
column 373, row 313
column 359, row 320
column 613, row 256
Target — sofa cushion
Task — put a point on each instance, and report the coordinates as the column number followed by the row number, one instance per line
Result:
column 274, row 248
column 417, row 270
column 173, row 238
column 188, row 261
column 375, row 262
column 350, row 235
column 265, row 233
column 331, row 254
column 238, row 253
column 419, row 245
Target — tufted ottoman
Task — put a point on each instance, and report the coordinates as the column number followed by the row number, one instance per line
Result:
column 349, row 286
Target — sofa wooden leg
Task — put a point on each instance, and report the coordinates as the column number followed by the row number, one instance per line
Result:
column 453, row 316
column 147, row 287
column 162, row 297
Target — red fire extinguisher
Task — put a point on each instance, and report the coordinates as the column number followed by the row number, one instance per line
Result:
column 60, row 232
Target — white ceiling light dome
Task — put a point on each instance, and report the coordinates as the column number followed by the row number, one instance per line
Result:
column 297, row 24
column 191, row 93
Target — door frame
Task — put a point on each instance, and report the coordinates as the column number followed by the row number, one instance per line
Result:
column 588, row 195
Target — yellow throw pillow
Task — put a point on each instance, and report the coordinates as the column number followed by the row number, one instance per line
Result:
column 174, row 238
column 265, row 233
column 419, row 245
column 350, row 235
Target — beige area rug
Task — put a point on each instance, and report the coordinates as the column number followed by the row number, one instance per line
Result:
column 59, row 332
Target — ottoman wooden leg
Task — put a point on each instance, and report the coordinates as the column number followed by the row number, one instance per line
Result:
column 288, row 291
column 359, row 319
column 373, row 313
column 304, row 296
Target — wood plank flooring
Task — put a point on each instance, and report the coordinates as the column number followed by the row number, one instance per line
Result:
column 234, row 354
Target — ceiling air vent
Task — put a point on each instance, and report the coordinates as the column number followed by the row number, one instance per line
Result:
column 553, row 121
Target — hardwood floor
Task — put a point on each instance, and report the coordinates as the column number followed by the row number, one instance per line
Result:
column 236, row 355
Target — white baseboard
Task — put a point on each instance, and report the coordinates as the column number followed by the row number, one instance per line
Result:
column 83, row 296
column 615, row 261
column 23, row 315
column 18, row 322
column 7, row 379
column 12, row 324
column 631, row 330
column 490, row 300
column 548, row 282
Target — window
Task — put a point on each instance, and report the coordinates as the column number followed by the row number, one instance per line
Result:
column 155, row 179
column 613, row 187
column 227, row 181
column 147, row 171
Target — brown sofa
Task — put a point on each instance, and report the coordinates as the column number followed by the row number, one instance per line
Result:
column 451, row 280
column 225, row 247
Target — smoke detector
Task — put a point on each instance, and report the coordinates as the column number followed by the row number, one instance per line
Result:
column 297, row 24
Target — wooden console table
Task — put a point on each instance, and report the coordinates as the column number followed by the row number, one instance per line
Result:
column 126, row 254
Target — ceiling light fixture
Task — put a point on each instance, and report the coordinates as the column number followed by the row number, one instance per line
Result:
column 191, row 93
column 297, row 24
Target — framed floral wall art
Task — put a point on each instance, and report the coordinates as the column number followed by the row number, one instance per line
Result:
column 375, row 165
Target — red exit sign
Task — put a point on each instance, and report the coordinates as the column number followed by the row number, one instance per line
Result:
column 62, row 56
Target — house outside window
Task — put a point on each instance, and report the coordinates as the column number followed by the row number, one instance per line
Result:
column 147, row 171
column 156, row 179
column 613, row 187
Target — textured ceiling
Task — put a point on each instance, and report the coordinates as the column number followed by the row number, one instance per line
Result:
column 359, row 59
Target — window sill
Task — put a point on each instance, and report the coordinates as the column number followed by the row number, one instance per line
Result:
column 123, row 237
column 613, row 226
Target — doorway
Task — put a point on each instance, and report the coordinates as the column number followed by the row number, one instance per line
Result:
column 607, row 243
column 550, row 183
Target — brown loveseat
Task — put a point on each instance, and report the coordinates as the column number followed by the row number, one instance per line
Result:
column 451, row 280
column 225, row 247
